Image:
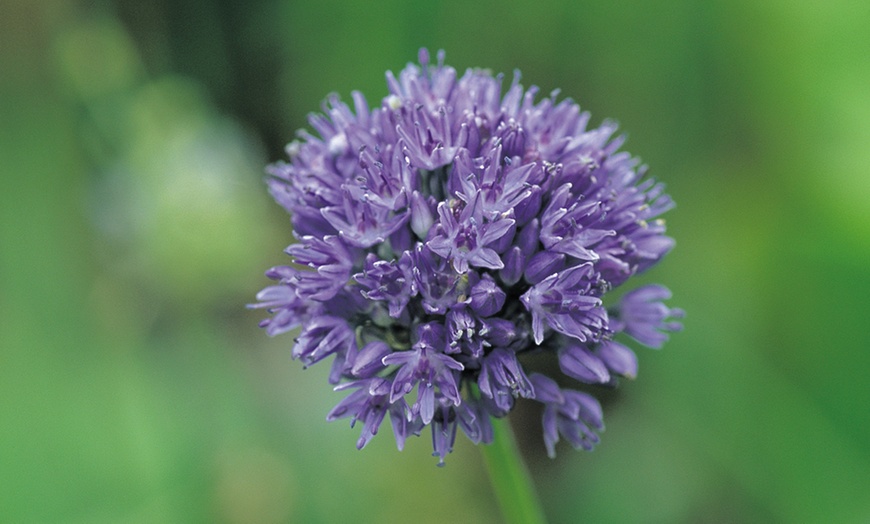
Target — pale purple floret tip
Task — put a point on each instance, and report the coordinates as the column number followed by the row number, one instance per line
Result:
column 450, row 230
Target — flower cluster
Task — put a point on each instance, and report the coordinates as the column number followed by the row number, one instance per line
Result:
column 449, row 231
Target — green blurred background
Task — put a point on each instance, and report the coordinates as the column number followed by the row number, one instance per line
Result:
column 134, row 226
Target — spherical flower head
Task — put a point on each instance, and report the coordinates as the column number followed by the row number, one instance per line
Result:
column 448, row 231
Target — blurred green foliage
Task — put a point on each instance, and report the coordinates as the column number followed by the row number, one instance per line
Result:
column 134, row 226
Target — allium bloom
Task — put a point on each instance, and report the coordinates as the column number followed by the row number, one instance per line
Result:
column 450, row 230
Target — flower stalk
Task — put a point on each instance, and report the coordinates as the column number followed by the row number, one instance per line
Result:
column 509, row 477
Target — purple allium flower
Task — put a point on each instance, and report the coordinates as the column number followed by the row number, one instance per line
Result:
column 452, row 229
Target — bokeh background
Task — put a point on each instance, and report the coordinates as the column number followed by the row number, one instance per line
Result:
column 134, row 227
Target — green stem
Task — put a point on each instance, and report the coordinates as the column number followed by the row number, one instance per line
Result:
column 510, row 478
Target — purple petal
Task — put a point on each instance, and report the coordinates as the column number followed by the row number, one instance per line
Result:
column 369, row 359
column 546, row 389
column 543, row 265
column 486, row 297
column 618, row 358
column 514, row 265
column 485, row 257
column 580, row 363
